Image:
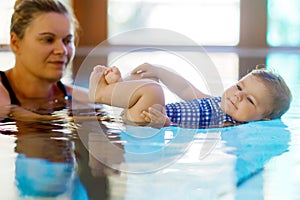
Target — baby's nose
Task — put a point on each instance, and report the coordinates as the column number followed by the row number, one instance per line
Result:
column 240, row 95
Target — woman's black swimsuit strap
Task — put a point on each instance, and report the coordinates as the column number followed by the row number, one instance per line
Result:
column 62, row 87
column 13, row 99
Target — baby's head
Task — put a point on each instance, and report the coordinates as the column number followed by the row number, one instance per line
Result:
column 261, row 94
column 278, row 90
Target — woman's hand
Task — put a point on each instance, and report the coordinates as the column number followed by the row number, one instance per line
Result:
column 157, row 116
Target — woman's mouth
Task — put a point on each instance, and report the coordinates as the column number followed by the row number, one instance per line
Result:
column 58, row 63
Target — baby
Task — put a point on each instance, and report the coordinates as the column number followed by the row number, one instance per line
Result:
column 260, row 95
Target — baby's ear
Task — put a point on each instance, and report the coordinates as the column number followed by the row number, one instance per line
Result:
column 266, row 119
column 260, row 66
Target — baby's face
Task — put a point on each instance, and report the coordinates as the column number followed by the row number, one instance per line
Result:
column 248, row 100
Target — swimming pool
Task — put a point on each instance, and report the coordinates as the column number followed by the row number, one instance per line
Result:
column 252, row 161
column 75, row 160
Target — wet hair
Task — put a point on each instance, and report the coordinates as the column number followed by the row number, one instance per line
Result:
column 25, row 11
column 279, row 91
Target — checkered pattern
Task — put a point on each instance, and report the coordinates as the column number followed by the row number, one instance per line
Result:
column 198, row 113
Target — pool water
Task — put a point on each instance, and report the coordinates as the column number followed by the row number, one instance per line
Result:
column 88, row 159
column 75, row 160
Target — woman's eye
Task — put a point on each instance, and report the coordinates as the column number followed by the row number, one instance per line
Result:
column 250, row 100
column 239, row 87
column 68, row 40
column 48, row 40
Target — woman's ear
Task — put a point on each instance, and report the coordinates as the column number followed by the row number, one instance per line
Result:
column 14, row 42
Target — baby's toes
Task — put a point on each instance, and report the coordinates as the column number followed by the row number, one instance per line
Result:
column 99, row 69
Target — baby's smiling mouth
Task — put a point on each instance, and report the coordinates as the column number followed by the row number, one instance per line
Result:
column 232, row 103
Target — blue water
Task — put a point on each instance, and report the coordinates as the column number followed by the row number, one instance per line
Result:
column 91, row 160
column 242, row 162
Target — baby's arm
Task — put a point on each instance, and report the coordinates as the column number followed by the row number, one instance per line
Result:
column 175, row 83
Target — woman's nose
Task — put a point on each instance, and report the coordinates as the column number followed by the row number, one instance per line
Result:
column 60, row 48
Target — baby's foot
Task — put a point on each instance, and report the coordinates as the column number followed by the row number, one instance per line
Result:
column 112, row 75
column 97, row 81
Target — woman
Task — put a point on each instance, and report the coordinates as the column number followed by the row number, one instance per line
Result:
column 42, row 36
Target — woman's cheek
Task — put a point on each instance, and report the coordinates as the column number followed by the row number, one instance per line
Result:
column 71, row 52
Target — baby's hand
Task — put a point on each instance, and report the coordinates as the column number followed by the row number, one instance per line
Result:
column 145, row 70
column 112, row 75
column 157, row 116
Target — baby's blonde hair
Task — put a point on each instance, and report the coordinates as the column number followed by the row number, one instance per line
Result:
column 279, row 91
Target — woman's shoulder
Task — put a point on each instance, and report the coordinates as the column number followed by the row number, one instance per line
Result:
column 77, row 92
column 2, row 73
column 4, row 95
column 69, row 88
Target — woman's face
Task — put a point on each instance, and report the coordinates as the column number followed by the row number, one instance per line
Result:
column 47, row 47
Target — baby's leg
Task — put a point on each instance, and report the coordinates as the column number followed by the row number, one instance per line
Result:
column 147, row 95
column 97, row 82
column 135, row 96
column 112, row 75
column 100, row 79
column 103, row 80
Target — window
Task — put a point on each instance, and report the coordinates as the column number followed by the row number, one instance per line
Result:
column 189, row 18
column 283, row 23
column 287, row 66
column 6, row 10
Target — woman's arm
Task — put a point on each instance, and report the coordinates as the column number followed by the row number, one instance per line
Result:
column 78, row 93
column 4, row 96
column 176, row 83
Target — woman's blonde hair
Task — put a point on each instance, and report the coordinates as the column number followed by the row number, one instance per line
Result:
column 279, row 91
column 25, row 11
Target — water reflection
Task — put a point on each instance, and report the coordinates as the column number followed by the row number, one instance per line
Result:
column 45, row 164
column 52, row 162
column 254, row 145
column 95, row 160
column 215, row 166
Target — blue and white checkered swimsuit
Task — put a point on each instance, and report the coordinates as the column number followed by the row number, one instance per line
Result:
column 198, row 113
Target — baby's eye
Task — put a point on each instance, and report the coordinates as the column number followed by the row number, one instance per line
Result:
column 250, row 100
column 239, row 87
